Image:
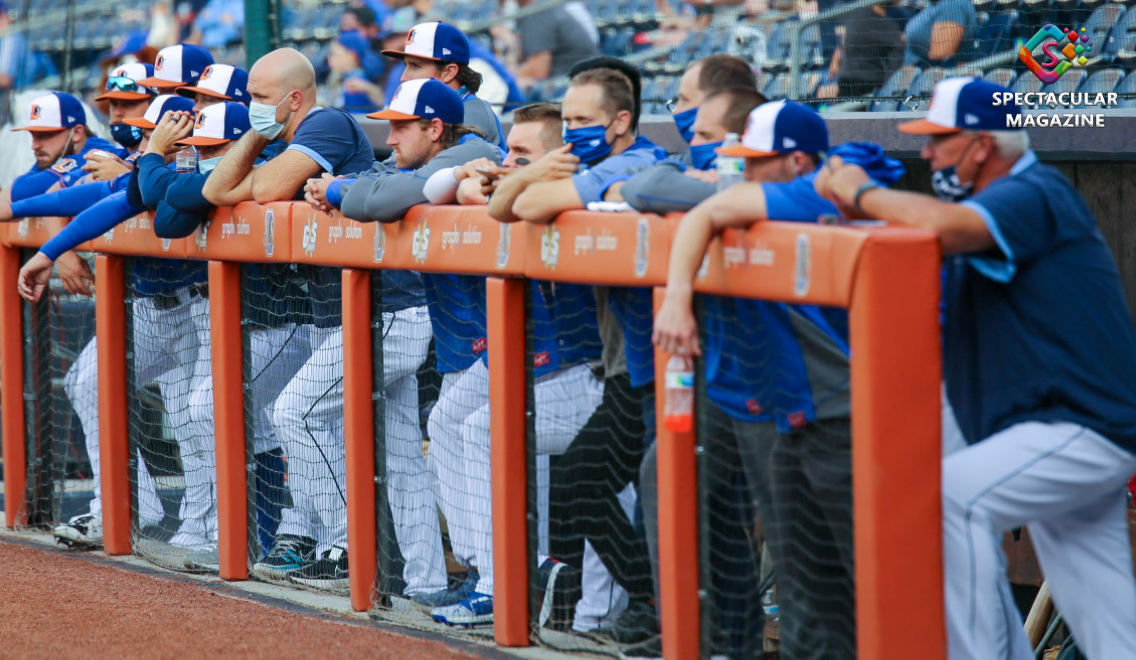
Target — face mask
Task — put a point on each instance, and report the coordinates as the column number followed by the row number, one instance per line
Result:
column 946, row 183
column 685, row 123
column 703, row 156
column 589, row 143
column 126, row 135
column 262, row 117
column 206, row 165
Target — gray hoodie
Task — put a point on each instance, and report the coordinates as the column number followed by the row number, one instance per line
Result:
column 664, row 189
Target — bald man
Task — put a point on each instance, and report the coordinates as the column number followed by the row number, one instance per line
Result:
column 282, row 86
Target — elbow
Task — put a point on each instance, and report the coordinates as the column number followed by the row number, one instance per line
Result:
column 262, row 194
column 528, row 209
column 211, row 191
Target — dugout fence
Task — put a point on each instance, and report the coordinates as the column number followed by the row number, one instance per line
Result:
column 886, row 278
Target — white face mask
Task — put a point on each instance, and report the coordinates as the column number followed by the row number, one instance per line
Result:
column 262, row 117
column 206, row 165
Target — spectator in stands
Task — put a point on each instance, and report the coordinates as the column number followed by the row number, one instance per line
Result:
column 439, row 50
column 802, row 388
column 349, row 59
column 872, row 50
column 551, row 42
column 220, row 23
column 394, row 38
column 13, row 59
column 942, row 34
column 363, row 19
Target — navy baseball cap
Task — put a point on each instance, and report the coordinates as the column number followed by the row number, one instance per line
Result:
column 780, row 127
column 221, row 81
column 400, row 21
column 158, row 108
column 178, row 66
column 436, row 41
column 425, row 98
column 124, row 84
column 966, row 104
column 54, row 112
column 218, row 124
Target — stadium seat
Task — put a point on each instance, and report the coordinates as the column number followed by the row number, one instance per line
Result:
column 1068, row 82
column 1026, row 82
column 923, row 84
column 1033, row 15
column 1101, row 81
column 1007, row 5
column 1003, row 76
column 1127, row 86
column 1101, row 22
column 777, row 87
column 983, row 5
column 896, row 85
column 997, row 34
column 779, row 46
column 1121, row 46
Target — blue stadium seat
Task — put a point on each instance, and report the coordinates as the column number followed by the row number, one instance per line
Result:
column 1026, row 82
column 1003, row 76
column 1068, row 82
column 777, row 87
column 1127, row 86
column 1033, row 15
column 809, row 82
column 997, row 34
column 896, row 85
column 1121, row 45
column 923, row 84
column 779, row 46
column 1101, row 22
column 1101, row 81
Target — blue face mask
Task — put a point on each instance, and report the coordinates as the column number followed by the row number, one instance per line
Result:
column 206, row 165
column 126, row 135
column 685, row 122
column 589, row 143
column 703, row 156
column 262, row 118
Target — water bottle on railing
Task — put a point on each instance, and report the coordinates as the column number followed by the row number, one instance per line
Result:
column 679, row 381
column 187, row 160
column 731, row 169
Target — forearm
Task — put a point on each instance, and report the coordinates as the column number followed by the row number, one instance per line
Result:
column 154, row 179
column 502, row 200
column 67, row 202
column 687, row 250
column 738, row 206
column 958, row 228
column 170, row 223
column 89, row 224
column 230, row 181
column 665, row 189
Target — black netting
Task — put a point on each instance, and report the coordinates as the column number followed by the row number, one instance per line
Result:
column 59, row 365
column 170, row 414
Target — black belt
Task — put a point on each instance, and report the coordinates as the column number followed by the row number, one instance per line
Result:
column 171, row 300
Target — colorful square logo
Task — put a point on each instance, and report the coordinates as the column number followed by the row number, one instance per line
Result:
column 1066, row 50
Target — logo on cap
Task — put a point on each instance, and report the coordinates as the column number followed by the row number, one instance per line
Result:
column 410, row 37
column 208, row 72
column 200, row 121
column 428, row 110
column 159, row 63
column 35, row 111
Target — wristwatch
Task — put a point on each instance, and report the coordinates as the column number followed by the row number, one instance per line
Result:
column 864, row 187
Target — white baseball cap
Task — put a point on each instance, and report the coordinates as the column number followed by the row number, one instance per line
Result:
column 221, row 81
column 159, row 107
column 218, row 124
column 54, row 112
column 178, row 65
column 436, row 41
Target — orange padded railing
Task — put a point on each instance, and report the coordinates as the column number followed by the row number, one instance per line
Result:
column 886, row 278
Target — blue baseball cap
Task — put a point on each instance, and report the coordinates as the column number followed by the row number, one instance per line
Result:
column 218, row 124
column 966, row 104
column 123, row 83
column 178, row 66
column 780, row 127
column 424, row 98
column 134, row 42
column 436, row 41
column 356, row 42
column 158, row 108
column 221, row 81
column 54, row 112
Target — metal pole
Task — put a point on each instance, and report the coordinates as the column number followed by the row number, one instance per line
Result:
column 262, row 28
column 68, row 54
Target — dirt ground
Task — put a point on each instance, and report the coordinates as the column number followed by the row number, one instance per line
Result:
column 57, row 605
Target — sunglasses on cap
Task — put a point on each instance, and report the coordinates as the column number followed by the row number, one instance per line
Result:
column 125, row 84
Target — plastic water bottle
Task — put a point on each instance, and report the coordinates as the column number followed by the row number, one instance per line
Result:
column 731, row 169
column 187, row 160
column 679, row 380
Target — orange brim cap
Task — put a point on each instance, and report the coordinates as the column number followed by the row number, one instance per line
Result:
column 41, row 129
column 203, row 141
column 924, row 127
column 154, row 81
column 392, row 114
column 140, row 122
column 186, row 91
column 124, row 96
column 744, row 152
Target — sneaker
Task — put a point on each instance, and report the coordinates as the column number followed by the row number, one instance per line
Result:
column 649, row 649
column 638, row 623
column 85, row 531
column 290, row 554
column 477, row 610
column 429, row 601
column 559, row 585
column 329, row 573
column 205, row 559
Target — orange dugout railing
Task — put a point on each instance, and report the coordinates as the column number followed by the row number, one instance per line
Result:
column 886, row 278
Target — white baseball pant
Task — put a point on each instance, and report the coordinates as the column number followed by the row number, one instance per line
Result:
column 275, row 354
column 308, row 417
column 1066, row 483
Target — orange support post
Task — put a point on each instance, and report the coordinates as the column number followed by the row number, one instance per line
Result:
column 114, row 442
column 896, row 450
column 12, row 387
column 678, row 527
column 359, row 419
column 505, row 307
column 229, row 417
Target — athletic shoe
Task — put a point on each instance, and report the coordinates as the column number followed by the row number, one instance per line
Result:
column 85, row 531
column 290, row 554
column 329, row 573
column 559, row 585
column 427, row 602
column 649, row 649
column 205, row 559
column 477, row 610
column 638, row 623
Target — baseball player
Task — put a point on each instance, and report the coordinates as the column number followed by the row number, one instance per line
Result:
column 165, row 348
column 218, row 83
column 441, row 51
column 1039, row 357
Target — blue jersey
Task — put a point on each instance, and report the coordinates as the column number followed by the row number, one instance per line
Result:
column 457, row 315
column 354, row 101
column 66, row 172
column 790, row 362
column 1037, row 328
column 565, row 330
column 592, row 182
